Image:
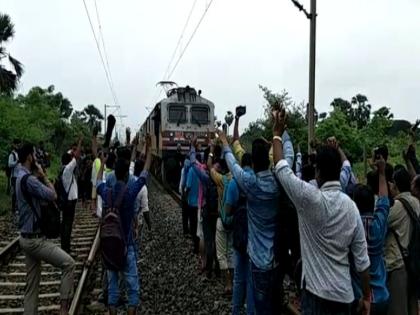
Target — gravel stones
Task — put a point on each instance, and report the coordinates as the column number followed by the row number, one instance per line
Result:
column 170, row 279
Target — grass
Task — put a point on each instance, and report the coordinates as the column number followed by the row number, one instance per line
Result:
column 5, row 200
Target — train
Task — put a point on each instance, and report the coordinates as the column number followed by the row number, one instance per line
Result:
column 172, row 123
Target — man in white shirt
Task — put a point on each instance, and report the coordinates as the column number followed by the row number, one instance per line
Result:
column 330, row 229
column 141, row 205
column 13, row 161
column 69, row 180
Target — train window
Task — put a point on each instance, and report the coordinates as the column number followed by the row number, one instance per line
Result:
column 177, row 114
column 199, row 115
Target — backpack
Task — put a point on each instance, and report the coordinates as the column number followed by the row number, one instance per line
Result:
column 240, row 226
column 62, row 194
column 411, row 254
column 212, row 200
column 113, row 244
column 227, row 220
column 49, row 221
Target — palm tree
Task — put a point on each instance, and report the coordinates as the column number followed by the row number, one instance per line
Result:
column 9, row 78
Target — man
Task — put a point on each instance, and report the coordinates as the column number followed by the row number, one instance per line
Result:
column 13, row 171
column 415, row 187
column 141, row 206
column 401, row 287
column 221, row 176
column 262, row 193
column 68, row 177
column 191, row 191
column 330, row 228
column 32, row 242
column 375, row 222
column 127, row 216
column 208, row 212
column 242, row 284
column 186, row 225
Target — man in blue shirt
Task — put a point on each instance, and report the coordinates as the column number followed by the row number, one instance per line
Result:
column 182, row 184
column 375, row 222
column 242, row 284
column 262, row 192
column 127, row 215
column 33, row 243
column 192, row 200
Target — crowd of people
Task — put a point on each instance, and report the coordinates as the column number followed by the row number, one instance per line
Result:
column 253, row 219
column 110, row 182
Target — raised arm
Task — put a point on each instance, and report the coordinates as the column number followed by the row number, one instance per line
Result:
column 41, row 188
column 94, row 144
column 236, row 129
column 380, row 219
column 298, row 162
column 242, row 178
column 303, row 195
column 346, row 174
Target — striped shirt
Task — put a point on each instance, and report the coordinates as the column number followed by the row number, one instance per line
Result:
column 330, row 228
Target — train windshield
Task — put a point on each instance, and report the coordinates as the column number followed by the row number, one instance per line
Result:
column 177, row 114
column 199, row 115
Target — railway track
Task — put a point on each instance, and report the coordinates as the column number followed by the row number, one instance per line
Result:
column 85, row 242
column 292, row 306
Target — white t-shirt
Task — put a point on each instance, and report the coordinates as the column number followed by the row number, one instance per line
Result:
column 70, row 181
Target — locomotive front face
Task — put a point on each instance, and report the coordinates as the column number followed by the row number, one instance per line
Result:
column 181, row 121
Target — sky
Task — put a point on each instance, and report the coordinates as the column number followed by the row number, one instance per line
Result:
column 369, row 47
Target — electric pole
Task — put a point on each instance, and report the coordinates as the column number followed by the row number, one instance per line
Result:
column 312, row 54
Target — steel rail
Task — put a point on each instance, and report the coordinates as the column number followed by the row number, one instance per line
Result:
column 78, row 295
column 7, row 251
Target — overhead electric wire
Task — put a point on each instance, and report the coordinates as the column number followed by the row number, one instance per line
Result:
column 158, row 92
column 187, row 44
column 181, row 36
column 105, row 54
column 190, row 39
column 100, row 55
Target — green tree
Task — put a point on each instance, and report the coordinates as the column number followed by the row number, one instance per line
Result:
column 94, row 116
column 9, row 76
column 336, row 124
column 360, row 111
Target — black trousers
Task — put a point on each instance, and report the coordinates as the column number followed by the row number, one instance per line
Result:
column 185, row 225
column 13, row 184
column 68, row 211
column 209, row 231
column 192, row 216
column 314, row 305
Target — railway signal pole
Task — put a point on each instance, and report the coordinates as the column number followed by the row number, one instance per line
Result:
column 312, row 53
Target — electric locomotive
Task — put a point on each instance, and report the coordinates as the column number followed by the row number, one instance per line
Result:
column 172, row 123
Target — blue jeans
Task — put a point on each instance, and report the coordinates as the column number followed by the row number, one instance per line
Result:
column 131, row 278
column 268, row 290
column 242, row 284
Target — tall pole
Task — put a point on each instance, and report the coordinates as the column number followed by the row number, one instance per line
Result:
column 105, row 118
column 312, row 53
